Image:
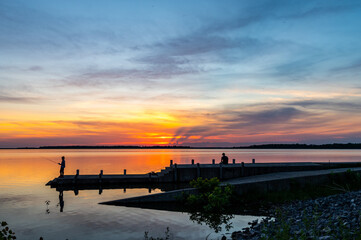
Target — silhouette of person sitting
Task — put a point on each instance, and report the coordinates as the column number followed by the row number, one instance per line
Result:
column 224, row 159
column 62, row 166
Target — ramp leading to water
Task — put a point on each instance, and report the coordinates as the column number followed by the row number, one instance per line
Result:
column 261, row 183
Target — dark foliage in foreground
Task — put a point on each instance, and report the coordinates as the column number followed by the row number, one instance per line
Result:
column 6, row 233
column 211, row 205
column 166, row 236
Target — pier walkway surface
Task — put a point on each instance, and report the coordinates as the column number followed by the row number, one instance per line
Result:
column 260, row 183
column 184, row 173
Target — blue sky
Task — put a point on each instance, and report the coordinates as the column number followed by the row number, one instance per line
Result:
column 200, row 73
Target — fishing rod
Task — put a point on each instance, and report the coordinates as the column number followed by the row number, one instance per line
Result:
column 50, row 160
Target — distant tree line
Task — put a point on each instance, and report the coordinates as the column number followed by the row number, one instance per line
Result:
column 108, row 147
column 307, row 146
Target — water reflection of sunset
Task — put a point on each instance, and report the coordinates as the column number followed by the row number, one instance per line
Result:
column 36, row 165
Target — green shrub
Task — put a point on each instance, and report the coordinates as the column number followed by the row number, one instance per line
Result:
column 211, row 204
column 6, row 233
column 167, row 236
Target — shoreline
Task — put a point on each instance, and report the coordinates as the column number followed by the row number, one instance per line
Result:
column 331, row 217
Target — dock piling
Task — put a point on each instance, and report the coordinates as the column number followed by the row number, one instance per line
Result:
column 175, row 173
column 234, row 161
column 171, row 162
column 253, row 161
column 198, row 170
column 76, row 177
column 125, row 171
column 242, row 169
column 100, row 176
column 213, row 161
column 220, row 171
column 192, row 161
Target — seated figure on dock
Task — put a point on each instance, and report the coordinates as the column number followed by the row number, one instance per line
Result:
column 62, row 166
column 224, row 159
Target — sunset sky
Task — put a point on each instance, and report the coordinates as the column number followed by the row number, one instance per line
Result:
column 199, row 73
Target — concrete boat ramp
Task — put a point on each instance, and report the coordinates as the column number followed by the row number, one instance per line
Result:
column 261, row 183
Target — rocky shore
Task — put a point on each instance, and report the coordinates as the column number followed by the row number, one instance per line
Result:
column 326, row 218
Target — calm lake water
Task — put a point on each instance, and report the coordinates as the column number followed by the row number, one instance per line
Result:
column 23, row 194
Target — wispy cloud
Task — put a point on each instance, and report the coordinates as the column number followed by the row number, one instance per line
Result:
column 335, row 8
column 329, row 104
column 271, row 116
column 15, row 99
column 229, row 122
column 297, row 119
column 353, row 66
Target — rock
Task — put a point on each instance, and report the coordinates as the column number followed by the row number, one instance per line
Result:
column 326, row 230
column 311, row 219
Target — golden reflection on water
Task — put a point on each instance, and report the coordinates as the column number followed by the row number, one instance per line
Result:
column 33, row 166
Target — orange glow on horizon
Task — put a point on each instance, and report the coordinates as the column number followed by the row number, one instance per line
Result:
column 161, row 128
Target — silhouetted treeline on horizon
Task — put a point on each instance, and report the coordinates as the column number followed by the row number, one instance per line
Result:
column 108, row 147
column 307, row 146
column 261, row 146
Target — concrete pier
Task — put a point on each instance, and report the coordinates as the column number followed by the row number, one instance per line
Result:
column 271, row 182
column 184, row 173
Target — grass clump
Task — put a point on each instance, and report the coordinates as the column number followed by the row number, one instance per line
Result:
column 167, row 236
column 6, row 233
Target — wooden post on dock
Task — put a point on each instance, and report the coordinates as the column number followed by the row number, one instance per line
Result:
column 76, row 176
column 171, row 162
column 175, row 173
column 220, row 171
column 198, row 170
column 150, row 177
column 100, row 176
column 242, row 169
column 125, row 172
column 192, row 161
column 253, row 161
column 213, row 161
column 234, row 161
